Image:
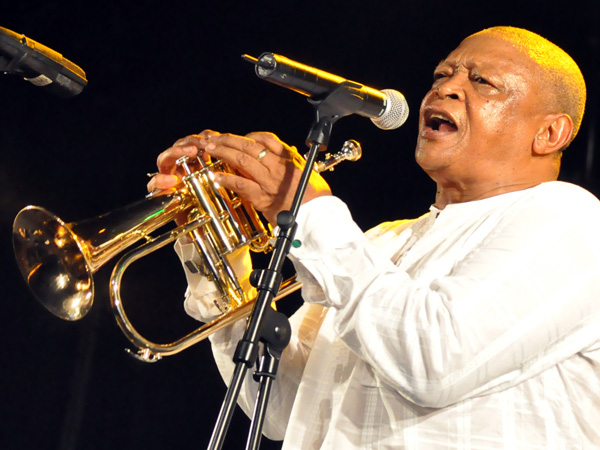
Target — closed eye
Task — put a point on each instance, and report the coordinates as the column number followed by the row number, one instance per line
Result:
column 480, row 80
column 439, row 76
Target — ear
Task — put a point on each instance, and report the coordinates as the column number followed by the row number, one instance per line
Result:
column 554, row 135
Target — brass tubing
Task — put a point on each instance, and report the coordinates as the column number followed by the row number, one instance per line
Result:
column 149, row 351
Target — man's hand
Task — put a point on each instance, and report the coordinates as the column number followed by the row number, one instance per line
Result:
column 269, row 170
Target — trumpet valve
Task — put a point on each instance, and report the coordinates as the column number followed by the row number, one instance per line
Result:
column 183, row 162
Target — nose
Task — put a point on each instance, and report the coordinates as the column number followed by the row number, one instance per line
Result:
column 451, row 87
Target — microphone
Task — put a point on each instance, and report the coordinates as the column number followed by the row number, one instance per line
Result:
column 387, row 108
column 39, row 65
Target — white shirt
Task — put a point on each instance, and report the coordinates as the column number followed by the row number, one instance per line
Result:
column 475, row 327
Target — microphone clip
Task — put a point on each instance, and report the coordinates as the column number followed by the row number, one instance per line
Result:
column 343, row 101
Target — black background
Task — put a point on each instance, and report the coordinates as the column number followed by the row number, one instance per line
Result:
column 158, row 71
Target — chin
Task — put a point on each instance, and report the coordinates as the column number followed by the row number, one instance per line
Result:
column 436, row 155
column 428, row 159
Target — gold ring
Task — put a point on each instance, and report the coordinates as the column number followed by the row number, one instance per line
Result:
column 262, row 154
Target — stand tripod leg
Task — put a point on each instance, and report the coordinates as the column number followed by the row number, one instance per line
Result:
column 227, row 408
column 265, row 376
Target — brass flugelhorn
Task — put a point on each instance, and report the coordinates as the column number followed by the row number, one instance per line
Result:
column 58, row 259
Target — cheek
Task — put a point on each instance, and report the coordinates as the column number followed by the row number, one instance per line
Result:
column 497, row 119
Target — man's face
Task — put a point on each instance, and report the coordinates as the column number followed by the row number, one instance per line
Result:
column 480, row 117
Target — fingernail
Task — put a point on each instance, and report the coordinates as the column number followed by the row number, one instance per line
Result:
column 190, row 150
column 210, row 146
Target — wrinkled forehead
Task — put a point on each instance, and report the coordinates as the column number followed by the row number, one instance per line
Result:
column 490, row 49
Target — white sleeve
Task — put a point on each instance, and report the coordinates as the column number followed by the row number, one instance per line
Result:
column 201, row 294
column 199, row 303
column 305, row 325
column 525, row 299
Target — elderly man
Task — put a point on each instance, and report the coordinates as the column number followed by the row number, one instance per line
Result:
column 475, row 326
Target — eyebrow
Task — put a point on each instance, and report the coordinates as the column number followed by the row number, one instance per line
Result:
column 442, row 61
column 468, row 64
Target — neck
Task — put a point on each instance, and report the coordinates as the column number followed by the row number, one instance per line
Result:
column 447, row 195
column 460, row 187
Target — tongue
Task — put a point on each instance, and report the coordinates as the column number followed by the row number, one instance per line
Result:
column 447, row 127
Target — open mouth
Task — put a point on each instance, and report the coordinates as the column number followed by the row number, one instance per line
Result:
column 438, row 121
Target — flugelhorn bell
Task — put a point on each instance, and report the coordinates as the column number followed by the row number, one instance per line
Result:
column 58, row 259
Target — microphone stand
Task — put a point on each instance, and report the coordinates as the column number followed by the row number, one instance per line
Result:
column 265, row 325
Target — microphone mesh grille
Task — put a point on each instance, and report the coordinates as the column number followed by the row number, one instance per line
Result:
column 396, row 111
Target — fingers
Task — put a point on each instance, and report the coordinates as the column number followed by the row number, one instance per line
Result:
column 166, row 161
column 267, row 175
column 186, row 146
column 198, row 140
column 168, row 176
column 269, row 141
column 245, row 188
column 162, row 182
column 252, row 144
column 245, row 154
column 278, row 147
